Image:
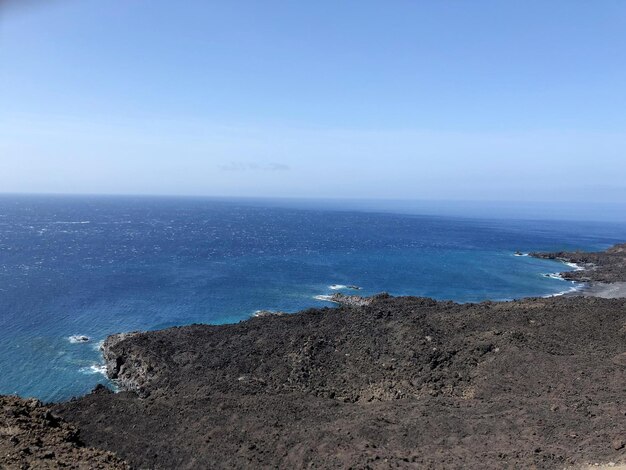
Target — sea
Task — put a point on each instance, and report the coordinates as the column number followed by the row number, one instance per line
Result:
column 74, row 269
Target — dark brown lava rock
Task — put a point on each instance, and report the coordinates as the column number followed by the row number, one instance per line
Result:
column 31, row 436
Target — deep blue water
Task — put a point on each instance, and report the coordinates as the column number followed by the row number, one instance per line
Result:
column 100, row 265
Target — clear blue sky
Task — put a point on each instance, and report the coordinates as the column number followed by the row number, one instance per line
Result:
column 406, row 99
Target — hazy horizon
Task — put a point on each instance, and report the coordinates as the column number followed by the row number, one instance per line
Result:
column 437, row 101
column 470, row 209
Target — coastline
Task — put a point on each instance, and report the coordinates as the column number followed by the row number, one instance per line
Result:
column 576, row 289
column 376, row 382
column 613, row 290
column 598, row 274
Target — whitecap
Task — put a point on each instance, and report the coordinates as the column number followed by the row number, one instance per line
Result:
column 575, row 266
column 62, row 222
column 338, row 286
column 563, row 292
column 78, row 339
column 324, row 298
column 343, row 286
column 94, row 369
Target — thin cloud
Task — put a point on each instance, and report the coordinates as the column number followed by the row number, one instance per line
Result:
column 254, row 166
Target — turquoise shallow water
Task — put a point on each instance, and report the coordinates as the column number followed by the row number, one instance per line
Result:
column 98, row 265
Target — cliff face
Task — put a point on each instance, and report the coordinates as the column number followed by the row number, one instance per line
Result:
column 397, row 382
column 130, row 371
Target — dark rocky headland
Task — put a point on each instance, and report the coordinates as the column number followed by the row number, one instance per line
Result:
column 605, row 266
column 384, row 383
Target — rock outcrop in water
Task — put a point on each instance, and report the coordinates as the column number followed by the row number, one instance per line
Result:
column 381, row 382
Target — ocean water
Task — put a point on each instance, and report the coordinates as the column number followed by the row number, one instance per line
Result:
column 99, row 265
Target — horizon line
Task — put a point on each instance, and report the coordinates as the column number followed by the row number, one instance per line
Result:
column 305, row 198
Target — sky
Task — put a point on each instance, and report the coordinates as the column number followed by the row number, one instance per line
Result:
column 424, row 100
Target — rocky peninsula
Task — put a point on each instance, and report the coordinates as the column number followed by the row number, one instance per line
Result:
column 381, row 382
column 603, row 272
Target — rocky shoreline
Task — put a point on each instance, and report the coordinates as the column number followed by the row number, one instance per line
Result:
column 377, row 382
column 598, row 267
column 601, row 273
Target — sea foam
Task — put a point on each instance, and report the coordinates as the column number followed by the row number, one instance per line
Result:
column 78, row 339
column 94, row 369
column 563, row 292
column 343, row 286
column 554, row 276
column 575, row 266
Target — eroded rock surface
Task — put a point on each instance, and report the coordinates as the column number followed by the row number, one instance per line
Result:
column 399, row 382
column 31, row 436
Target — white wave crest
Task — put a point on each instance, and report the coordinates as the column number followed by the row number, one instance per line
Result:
column 343, row 286
column 94, row 369
column 78, row 339
column 62, row 222
column 563, row 292
column 575, row 266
